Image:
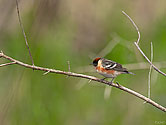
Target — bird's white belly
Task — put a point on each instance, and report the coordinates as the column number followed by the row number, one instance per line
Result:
column 109, row 75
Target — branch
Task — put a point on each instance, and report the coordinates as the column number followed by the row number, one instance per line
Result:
column 132, row 92
column 22, row 27
column 158, row 70
column 6, row 64
column 134, row 26
column 136, row 44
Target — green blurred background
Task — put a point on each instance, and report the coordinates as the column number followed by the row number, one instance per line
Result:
column 77, row 31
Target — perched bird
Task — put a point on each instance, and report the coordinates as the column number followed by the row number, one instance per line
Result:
column 108, row 68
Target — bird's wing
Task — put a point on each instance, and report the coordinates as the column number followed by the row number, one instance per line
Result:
column 111, row 65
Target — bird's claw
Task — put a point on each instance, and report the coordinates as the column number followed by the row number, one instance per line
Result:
column 118, row 84
column 102, row 79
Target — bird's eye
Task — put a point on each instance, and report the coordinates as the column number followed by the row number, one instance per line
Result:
column 95, row 62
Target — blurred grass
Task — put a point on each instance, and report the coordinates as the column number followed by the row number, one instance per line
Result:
column 72, row 32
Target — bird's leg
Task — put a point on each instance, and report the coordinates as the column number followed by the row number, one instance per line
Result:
column 112, row 79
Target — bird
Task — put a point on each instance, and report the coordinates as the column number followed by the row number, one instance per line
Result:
column 109, row 68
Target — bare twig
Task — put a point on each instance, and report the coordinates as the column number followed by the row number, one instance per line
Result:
column 158, row 70
column 6, row 64
column 134, row 26
column 150, row 70
column 136, row 44
column 22, row 27
column 68, row 62
column 89, row 80
column 46, row 73
column 132, row 92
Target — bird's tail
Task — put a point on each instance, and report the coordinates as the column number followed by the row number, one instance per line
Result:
column 129, row 72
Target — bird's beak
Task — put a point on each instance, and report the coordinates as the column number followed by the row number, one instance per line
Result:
column 91, row 64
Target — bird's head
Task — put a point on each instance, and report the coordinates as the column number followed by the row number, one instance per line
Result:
column 95, row 61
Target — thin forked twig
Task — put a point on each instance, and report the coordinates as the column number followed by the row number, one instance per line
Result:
column 22, row 27
column 136, row 44
column 6, row 64
column 132, row 92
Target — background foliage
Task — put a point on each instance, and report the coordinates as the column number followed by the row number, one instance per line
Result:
column 76, row 30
